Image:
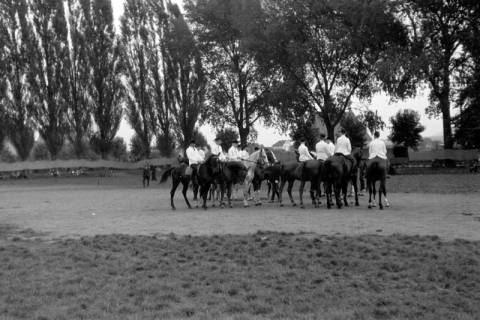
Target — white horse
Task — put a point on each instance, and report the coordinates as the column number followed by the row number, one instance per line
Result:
column 258, row 157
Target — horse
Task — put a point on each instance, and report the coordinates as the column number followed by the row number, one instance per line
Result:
column 311, row 171
column 377, row 171
column 289, row 172
column 208, row 173
column 338, row 171
column 271, row 174
column 179, row 175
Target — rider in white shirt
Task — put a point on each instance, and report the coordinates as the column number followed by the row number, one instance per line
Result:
column 194, row 158
column 343, row 144
column 217, row 149
column 233, row 152
column 377, row 148
column 193, row 154
column 331, row 146
column 304, row 154
column 322, row 149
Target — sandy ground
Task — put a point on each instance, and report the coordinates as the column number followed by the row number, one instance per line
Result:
column 92, row 206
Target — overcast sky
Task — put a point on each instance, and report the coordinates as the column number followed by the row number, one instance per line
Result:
column 268, row 136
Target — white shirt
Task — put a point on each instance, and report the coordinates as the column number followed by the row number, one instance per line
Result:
column 233, row 154
column 202, row 154
column 304, row 153
column 343, row 145
column 323, row 150
column 377, row 149
column 218, row 151
column 193, row 156
column 331, row 147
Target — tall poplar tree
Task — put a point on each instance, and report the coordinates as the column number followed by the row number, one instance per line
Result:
column 186, row 78
column 48, row 62
column 105, row 88
column 16, row 98
column 79, row 109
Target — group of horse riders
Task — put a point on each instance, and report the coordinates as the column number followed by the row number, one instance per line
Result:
column 326, row 159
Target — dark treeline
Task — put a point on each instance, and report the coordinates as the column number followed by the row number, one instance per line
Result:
column 68, row 74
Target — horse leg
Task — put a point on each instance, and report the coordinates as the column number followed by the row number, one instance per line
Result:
column 355, row 189
column 289, row 190
column 387, row 204
column 300, row 192
column 344, row 193
column 204, row 190
column 195, row 194
column 380, row 191
column 328, row 194
column 338, row 190
column 175, row 184
column 369, row 186
column 280, row 192
column 374, row 193
column 229, row 195
column 246, row 187
column 184, row 192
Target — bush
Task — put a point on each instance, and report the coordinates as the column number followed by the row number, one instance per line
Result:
column 40, row 151
column 8, row 156
column 165, row 144
column 119, row 149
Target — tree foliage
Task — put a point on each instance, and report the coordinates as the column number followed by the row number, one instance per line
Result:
column 308, row 131
column 438, row 31
column 335, row 50
column 238, row 85
column 467, row 122
column 355, row 130
column 406, row 128
column 372, row 121
column 228, row 135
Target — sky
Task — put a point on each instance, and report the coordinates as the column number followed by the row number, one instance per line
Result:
column 268, row 136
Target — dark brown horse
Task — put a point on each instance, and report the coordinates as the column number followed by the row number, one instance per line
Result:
column 377, row 171
column 290, row 172
column 179, row 175
column 209, row 174
column 311, row 171
column 271, row 175
column 338, row 171
column 231, row 173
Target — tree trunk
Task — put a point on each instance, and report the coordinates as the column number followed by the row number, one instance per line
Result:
column 330, row 129
column 243, row 133
column 447, row 126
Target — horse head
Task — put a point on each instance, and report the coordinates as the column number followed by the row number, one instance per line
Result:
column 213, row 162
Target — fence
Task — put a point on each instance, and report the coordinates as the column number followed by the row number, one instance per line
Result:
column 70, row 164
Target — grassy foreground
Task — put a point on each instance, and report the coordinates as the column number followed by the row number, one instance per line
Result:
column 260, row 276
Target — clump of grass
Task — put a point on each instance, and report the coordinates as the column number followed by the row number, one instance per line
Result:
column 261, row 276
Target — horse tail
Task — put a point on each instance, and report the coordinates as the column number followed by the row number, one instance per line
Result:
column 166, row 174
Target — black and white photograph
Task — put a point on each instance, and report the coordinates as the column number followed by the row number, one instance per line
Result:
column 239, row 159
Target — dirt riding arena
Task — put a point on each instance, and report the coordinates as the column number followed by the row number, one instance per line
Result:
column 443, row 205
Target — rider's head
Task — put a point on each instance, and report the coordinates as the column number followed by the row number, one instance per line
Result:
column 302, row 140
column 343, row 131
column 218, row 140
column 322, row 136
column 376, row 134
column 192, row 143
column 235, row 143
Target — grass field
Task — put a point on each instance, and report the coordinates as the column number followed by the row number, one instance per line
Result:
column 259, row 276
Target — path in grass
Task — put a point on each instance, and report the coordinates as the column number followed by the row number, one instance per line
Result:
column 66, row 209
column 260, row 276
